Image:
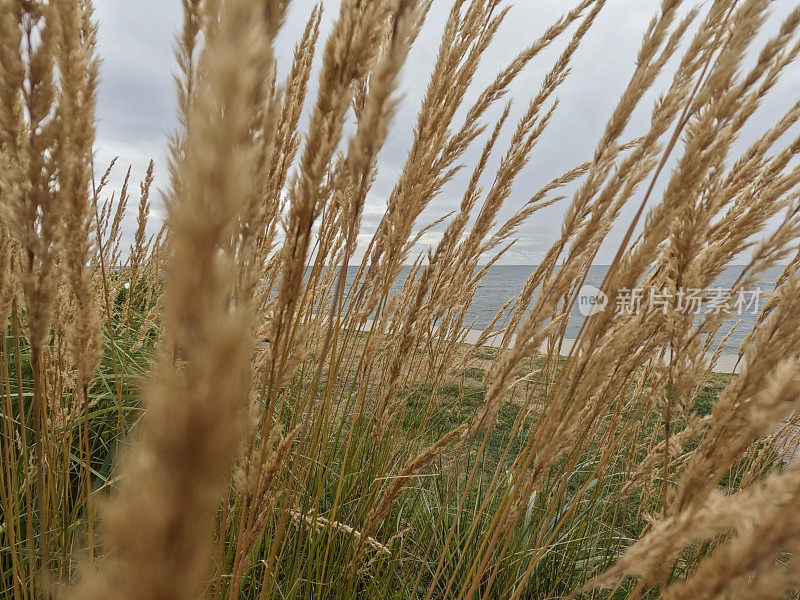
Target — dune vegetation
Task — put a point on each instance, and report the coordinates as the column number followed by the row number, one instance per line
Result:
column 203, row 412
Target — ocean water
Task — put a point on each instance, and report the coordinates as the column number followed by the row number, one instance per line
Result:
column 503, row 282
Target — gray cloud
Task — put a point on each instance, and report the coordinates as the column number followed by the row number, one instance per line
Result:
column 136, row 104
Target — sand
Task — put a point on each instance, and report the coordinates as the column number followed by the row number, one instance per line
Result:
column 726, row 363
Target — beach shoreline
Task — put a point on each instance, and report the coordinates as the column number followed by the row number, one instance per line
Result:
column 726, row 363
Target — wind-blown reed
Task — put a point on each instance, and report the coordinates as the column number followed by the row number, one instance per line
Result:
column 302, row 435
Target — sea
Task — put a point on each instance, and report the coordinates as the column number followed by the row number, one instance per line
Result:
column 502, row 282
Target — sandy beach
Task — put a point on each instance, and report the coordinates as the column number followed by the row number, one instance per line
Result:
column 726, row 363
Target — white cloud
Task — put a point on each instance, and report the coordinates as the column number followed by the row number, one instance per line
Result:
column 136, row 100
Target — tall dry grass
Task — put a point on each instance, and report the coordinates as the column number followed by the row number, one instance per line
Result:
column 302, row 435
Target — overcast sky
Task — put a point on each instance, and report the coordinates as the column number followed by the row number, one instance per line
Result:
column 136, row 97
